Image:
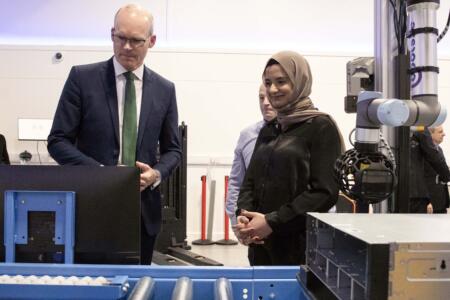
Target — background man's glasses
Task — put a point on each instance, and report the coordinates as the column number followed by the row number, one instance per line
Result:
column 134, row 43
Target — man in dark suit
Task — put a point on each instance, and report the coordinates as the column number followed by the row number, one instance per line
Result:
column 423, row 151
column 4, row 158
column 437, row 188
column 118, row 112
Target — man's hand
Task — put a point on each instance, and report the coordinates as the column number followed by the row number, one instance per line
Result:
column 148, row 175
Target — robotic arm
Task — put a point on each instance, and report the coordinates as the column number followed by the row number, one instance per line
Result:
column 365, row 173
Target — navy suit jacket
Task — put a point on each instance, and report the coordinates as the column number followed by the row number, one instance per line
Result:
column 85, row 128
column 437, row 191
column 423, row 150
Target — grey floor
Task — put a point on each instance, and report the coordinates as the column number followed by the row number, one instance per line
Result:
column 231, row 256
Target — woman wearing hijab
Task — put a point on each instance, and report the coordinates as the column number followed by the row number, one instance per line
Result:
column 291, row 171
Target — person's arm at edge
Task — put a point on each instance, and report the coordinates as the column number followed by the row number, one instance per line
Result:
column 237, row 174
column 5, row 158
column 433, row 156
column 246, row 198
column 169, row 141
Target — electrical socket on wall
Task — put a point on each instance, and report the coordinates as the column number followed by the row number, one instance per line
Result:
column 34, row 129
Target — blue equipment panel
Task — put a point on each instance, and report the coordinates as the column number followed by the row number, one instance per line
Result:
column 246, row 283
column 18, row 204
column 117, row 289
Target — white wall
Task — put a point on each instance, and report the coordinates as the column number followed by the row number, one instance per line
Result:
column 263, row 24
column 305, row 25
column 214, row 51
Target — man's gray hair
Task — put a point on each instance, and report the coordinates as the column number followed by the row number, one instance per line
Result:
column 141, row 10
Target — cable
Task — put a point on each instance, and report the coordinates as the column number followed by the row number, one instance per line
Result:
column 350, row 137
column 37, row 150
column 394, row 7
column 351, row 200
column 385, row 145
column 400, row 26
column 403, row 25
column 445, row 29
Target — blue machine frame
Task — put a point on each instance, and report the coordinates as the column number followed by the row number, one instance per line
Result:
column 19, row 203
column 247, row 283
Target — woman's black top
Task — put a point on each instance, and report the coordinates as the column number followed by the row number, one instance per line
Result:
column 291, row 173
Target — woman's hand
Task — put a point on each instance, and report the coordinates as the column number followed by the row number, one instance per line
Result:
column 252, row 227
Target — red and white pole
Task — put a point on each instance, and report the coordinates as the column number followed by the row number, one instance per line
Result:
column 226, row 240
column 203, row 240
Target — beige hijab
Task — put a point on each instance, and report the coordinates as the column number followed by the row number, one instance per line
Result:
column 300, row 107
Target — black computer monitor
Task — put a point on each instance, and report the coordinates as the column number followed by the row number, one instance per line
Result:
column 107, row 211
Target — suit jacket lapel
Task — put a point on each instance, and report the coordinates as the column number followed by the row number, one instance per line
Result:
column 109, row 85
column 147, row 104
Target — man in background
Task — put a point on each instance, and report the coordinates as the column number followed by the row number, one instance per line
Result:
column 243, row 153
column 4, row 157
column 424, row 151
column 118, row 112
column 437, row 189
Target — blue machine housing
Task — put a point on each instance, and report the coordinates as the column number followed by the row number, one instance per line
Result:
column 247, row 283
column 17, row 206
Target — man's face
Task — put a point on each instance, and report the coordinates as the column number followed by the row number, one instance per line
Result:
column 131, row 39
column 267, row 110
column 438, row 135
column 278, row 86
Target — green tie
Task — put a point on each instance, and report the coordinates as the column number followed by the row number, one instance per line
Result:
column 129, row 127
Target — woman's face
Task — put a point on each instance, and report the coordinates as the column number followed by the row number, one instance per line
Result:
column 278, row 86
